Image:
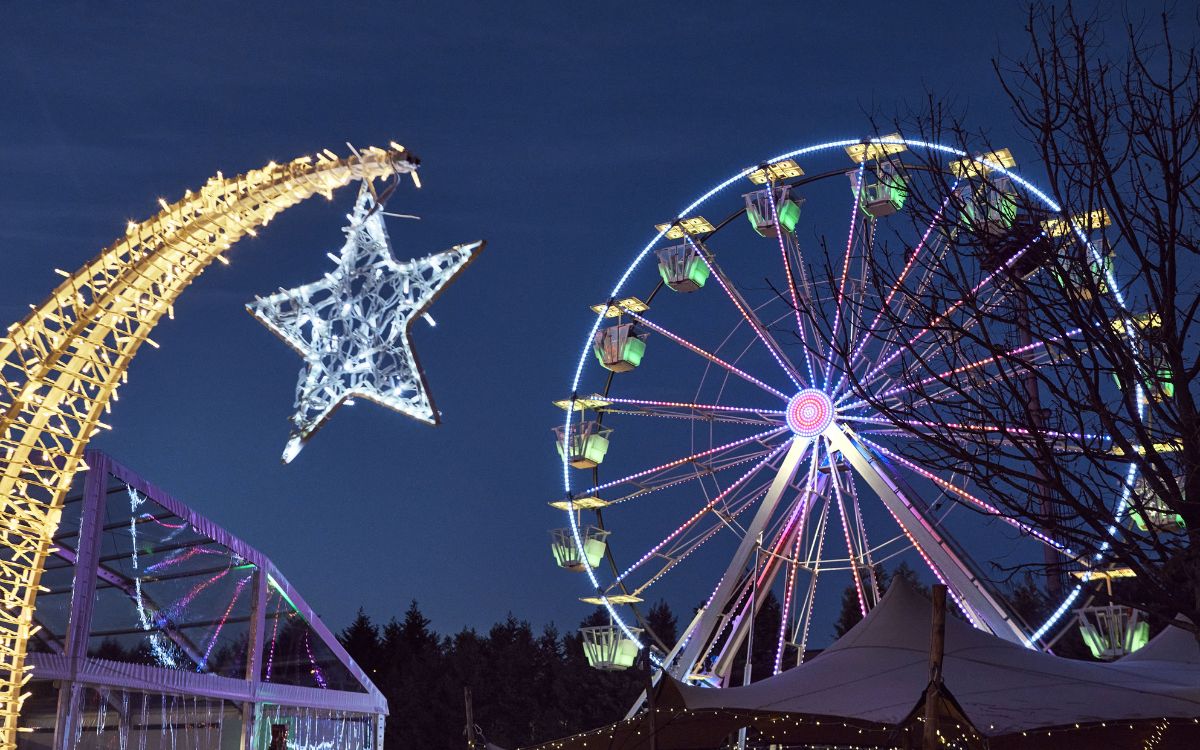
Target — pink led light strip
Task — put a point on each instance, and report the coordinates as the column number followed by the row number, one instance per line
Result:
column 892, row 293
column 962, row 606
column 850, row 551
column 837, row 314
column 962, row 300
column 978, row 428
column 787, row 269
column 810, row 597
column 783, row 538
column 274, row 634
column 749, row 501
column 687, row 459
column 690, row 477
column 787, row 604
column 704, row 510
column 710, row 357
column 182, row 556
column 754, row 322
column 224, row 618
column 949, row 487
column 942, row 376
column 864, row 543
column 793, row 567
column 178, row 606
column 697, row 407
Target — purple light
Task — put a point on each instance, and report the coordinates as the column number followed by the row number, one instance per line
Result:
column 787, row 268
column 837, row 312
column 274, row 634
column 755, row 325
column 316, row 669
column 224, row 618
column 178, row 606
column 962, row 300
column 700, row 513
column 895, row 288
column 710, row 357
column 687, row 459
column 182, row 556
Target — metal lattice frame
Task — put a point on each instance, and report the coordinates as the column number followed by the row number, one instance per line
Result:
column 63, row 362
column 74, row 665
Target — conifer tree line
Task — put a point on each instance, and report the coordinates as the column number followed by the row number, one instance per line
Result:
column 527, row 687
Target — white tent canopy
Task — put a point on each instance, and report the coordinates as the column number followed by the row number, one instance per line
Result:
column 878, row 672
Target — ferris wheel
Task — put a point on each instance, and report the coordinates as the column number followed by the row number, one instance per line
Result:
column 726, row 439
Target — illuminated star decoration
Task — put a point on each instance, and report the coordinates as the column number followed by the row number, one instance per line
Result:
column 352, row 326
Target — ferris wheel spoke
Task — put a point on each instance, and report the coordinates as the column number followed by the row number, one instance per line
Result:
column 764, row 335
column 851, row 550
column 760, row 437
column 837, row 311
column 724, row 517
column 688, row 416
column 927, row 353
column 1006, row 433
column 804, row 621
column 900, row 349
column 864, row 543
column 954, row 489
column 708, row 355
column 797, row 544
column 684, row 548
column 698, row 412
column 697, row 471
column 773, row 561
column 801, row 327
column 789, row 588
column 704, row 510
column 856, row 352
column 1037, row 348
column 999, row 364
column 711, row 618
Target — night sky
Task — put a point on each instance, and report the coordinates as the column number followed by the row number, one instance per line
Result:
column 559, row 132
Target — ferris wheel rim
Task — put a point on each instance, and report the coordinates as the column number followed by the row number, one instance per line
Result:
column 1114, row 291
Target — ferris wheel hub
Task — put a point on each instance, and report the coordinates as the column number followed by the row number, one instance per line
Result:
column 809, row 412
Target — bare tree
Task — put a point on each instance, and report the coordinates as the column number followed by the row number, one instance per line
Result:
column 1064, row 324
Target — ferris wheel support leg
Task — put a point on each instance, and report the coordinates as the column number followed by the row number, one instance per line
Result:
column 936, row 549
column 741, row 626
column 654, row 678
column 711, row 616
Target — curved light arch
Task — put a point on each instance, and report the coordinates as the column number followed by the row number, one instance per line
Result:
column 61, row 364
column 1049, row 202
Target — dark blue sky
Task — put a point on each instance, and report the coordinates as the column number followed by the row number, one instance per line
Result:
column 558, row 132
